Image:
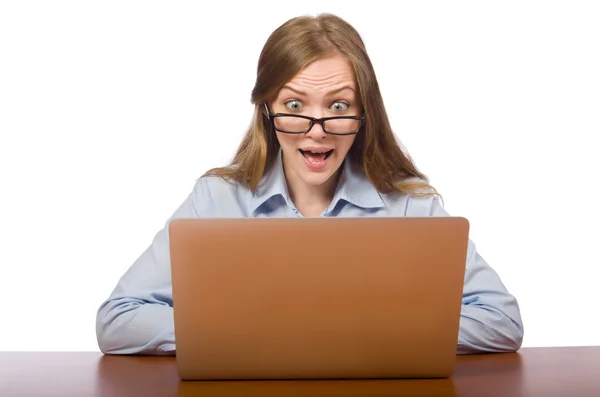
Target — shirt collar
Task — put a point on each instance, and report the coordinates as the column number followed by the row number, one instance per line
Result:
column 353, row 187
column 356, row 188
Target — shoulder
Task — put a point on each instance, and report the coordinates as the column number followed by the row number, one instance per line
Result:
column 422, row 203
column 212, row 186
column 215, row 196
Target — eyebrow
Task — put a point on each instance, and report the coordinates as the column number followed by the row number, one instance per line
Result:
column 337, row 90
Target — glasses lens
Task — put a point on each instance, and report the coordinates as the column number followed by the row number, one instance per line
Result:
column 341, row 126
column 291, row 124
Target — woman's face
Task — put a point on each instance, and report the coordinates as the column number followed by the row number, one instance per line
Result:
column 324, row 88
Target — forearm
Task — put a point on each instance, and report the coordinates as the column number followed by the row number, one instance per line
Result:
column 485, row 330
column 138, row 316
column 128, row 326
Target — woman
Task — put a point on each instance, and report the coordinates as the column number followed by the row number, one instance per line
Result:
column 320, row 144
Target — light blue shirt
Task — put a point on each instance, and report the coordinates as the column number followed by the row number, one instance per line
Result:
column 137, row 318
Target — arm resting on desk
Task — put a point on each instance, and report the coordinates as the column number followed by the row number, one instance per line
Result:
column 137, row 318
column 490, row 317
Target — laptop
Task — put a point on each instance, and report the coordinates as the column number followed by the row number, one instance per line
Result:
column 317, row 298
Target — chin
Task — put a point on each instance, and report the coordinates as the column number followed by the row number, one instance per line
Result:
column 316, row 178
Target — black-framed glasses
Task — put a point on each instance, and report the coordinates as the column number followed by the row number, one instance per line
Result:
column 298, row 124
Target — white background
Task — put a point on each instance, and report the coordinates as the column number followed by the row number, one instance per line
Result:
column 110, row 110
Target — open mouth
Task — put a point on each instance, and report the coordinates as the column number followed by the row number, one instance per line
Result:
column 314, row 157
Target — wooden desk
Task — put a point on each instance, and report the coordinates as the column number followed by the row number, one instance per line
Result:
column 547, row 372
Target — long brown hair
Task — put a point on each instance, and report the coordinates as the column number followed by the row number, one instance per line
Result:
column 288, row 50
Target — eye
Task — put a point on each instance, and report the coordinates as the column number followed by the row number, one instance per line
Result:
column 294, row 105
column 340, row 106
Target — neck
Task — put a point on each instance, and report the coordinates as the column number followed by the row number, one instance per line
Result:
column 311, row 200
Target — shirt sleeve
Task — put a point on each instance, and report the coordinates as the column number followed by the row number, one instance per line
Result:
column 490, row 319
column 137, row 318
